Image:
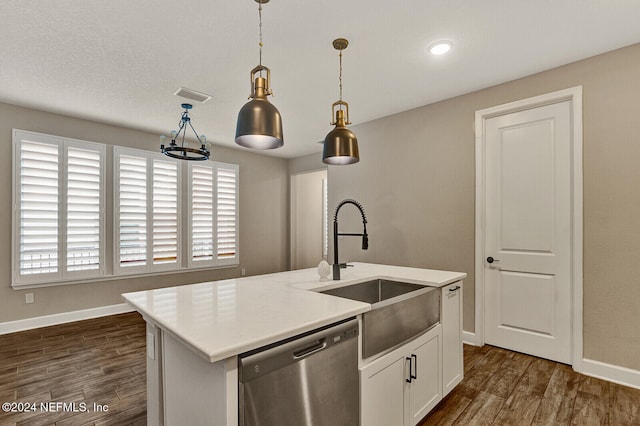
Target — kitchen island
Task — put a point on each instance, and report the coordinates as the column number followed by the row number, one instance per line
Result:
column 196, row 332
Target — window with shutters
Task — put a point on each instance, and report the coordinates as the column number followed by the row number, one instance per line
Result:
column 60, row 205
column 58, row 200
column 147, row 211
column 213, row 204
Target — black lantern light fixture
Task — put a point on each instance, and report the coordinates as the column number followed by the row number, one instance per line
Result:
column 182, row 151
column 341, row 144
column 259, row 123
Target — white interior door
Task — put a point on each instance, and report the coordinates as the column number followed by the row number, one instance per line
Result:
column 308, row 219
column 527, row 269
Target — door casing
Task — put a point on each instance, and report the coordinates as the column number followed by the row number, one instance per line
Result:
column 573, row 94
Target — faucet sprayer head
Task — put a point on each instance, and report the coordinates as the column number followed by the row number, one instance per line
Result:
column 365, row 241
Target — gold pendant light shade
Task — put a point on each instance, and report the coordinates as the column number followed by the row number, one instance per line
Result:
column 340, row 144
column 259, row 124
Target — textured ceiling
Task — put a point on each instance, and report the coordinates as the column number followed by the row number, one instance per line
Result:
column 120, row 61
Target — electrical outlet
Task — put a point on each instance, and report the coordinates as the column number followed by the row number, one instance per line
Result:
column 243, row 272
column 28, row 298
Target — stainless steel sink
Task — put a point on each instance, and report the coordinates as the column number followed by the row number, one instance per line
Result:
column 399, row 311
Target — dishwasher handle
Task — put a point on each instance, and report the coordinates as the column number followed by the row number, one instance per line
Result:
column 317, row 346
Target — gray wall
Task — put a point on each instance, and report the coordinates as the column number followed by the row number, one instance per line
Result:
column 263, row 227
column 416, row 181
column 306, row 163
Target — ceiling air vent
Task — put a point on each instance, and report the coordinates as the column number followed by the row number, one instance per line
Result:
column 192, row 94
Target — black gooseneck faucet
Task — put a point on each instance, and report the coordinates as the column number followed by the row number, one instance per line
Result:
column 365, row 238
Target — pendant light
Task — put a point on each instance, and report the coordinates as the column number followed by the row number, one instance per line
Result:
column 259, row 123
column 182, row 151
column 341, row 144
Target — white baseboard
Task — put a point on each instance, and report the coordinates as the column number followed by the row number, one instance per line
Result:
column 612, row 373
column 47, row 320
column 470, row 338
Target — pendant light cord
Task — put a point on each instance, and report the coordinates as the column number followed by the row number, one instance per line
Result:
column 340, row 78
column 260, row 31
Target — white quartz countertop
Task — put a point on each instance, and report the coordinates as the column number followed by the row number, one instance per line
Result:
column 221, row 319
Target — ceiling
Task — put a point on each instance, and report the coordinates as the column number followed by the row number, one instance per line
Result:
column 120, row 61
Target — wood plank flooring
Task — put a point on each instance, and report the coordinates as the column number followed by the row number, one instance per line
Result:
column 98, row 361
column 103, row 361
column 501, row 387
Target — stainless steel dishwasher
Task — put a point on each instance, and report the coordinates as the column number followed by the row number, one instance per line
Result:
column 308, row 380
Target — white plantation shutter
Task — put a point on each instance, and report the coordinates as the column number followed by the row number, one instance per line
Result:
column 227, row 211
column 147, row 211
column 85, row 195
column 59, row 203
column 166, row 223
column 202, row 213
column 39, row 206
column 132, row 212
column 213, row 226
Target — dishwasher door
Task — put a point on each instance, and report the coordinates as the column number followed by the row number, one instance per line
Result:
column 310, row 380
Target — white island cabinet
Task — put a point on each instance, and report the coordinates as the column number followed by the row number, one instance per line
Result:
column 401, row 387
column 196, row 332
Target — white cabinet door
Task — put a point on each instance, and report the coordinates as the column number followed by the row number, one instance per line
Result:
column 425, row 388
column 451, row 319
column 387, row 398
column 382, row 391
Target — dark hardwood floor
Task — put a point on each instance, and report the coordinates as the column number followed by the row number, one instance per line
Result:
column 501, row 387
column 99, row 361
column 102, row 361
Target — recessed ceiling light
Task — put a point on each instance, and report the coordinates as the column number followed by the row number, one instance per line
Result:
column 440, row 47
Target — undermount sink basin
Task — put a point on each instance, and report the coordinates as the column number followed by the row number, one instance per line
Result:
column 399, row 311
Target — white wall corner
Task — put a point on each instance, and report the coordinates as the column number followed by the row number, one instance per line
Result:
column 65, row 317
column 612, row 373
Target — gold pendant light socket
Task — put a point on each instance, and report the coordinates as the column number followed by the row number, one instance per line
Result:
column 339, row 43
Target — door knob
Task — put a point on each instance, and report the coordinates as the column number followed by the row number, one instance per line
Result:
column 491, row 260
